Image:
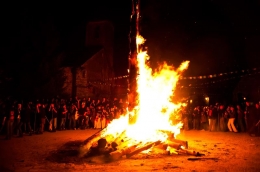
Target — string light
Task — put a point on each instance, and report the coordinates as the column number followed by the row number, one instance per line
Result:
column 228, row 77
column 204, row 76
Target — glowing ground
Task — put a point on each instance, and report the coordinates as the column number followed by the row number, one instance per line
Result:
column 58, row 152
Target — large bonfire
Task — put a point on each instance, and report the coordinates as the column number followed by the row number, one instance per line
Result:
column 154, row 114
column 155, row 110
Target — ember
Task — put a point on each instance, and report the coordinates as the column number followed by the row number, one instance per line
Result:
column 154, row 126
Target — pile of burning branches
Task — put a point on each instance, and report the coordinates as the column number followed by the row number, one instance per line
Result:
column 151, row 105
column 121, row 147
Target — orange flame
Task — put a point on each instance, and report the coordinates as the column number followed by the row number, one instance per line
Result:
column 154, row 109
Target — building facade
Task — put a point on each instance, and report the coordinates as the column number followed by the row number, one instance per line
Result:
column 88, row 70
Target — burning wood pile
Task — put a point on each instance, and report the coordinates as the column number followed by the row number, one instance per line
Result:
column 121, row 147
column 150, row 105
column 151, row 124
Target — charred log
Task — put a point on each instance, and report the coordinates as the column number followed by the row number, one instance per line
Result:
column 181, row 142
column 174, row 145
column 143, row 148
column 102, row 143
column 116, row 155
column 114, row 145
column 199, row 158
column 190, row 152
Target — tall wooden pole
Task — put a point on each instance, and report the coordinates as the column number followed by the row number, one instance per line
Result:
column 137, row 9
column 134, row 49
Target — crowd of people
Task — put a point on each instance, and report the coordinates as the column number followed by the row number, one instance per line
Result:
column 218, row 117
column 19, row 118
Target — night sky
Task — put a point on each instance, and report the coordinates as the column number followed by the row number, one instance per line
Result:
column 215, row 35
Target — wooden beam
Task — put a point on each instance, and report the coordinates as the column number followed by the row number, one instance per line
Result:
column 143, row 148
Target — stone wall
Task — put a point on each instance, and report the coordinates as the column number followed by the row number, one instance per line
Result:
column 67, row 86
column 93, row 76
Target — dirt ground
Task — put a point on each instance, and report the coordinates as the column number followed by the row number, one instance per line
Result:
column 59, row 152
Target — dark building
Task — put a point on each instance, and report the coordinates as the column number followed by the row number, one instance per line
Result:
column 87, row 71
